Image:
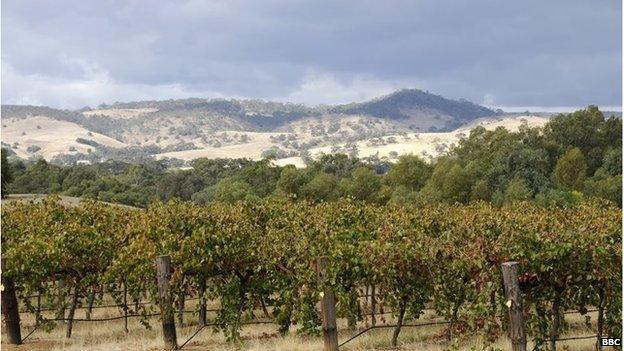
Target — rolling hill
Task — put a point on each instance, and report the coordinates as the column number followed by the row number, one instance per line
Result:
column 217, row 128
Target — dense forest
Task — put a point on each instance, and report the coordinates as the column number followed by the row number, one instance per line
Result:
column 574, row 156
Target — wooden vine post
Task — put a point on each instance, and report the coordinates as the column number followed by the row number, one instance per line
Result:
column 514, row 303
column 10, row 311
column 328, row 307
column 163, row 270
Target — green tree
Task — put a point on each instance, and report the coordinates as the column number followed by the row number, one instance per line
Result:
column 212, row 170
column 410, row 171
column 558, row 197
column 517, row 190
column 604, row 185
column 40, row 178
column 340, row 165
column 494, row 158
column 261, row 175
column 180, row 184
column 204, row 196
column 571, row 168
column 587, row 130
column 290, row 181
column 7, row 174
column 78, row 179
column 364, row 184
column 449, row 182
column 481, row 190
column 519, row 161
column 612, row 162
column 323, row 187
column 231, row 190
column 404, row 195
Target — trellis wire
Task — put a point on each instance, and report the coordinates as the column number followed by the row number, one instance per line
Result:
column 260, row 321
column 391, row 326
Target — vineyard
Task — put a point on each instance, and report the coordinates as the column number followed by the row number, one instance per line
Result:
column 263, row 255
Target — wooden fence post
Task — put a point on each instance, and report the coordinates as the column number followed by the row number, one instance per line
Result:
column 10, row 310
column 163, row 267
column 514, row 302
column 328, row 307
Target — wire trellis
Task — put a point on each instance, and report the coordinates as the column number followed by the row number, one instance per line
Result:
column 267, row 321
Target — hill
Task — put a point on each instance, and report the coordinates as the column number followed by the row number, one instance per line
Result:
column 187, row 128
column 413, row 106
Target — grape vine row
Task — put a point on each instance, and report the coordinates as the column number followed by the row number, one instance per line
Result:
column 444, row 256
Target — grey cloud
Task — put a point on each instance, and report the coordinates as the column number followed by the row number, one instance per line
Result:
column 544, row 53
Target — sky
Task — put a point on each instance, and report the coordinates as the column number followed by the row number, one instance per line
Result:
column 552, row 54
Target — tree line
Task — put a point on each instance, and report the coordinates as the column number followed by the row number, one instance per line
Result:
column 574, row 156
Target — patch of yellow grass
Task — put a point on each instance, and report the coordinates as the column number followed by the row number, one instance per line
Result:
column 105, row 336
column 52, row 136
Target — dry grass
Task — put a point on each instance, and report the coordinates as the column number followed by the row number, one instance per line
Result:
column 252, row 149
column 58, row 137
column 431, row 145
column 52, row 136
column 105, row 336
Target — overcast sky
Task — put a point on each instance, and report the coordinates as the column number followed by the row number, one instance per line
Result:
column 501, row 53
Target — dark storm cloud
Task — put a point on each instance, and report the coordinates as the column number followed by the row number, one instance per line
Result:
column 530, row 53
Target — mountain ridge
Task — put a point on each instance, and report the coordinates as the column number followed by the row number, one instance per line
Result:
column 241, row 106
